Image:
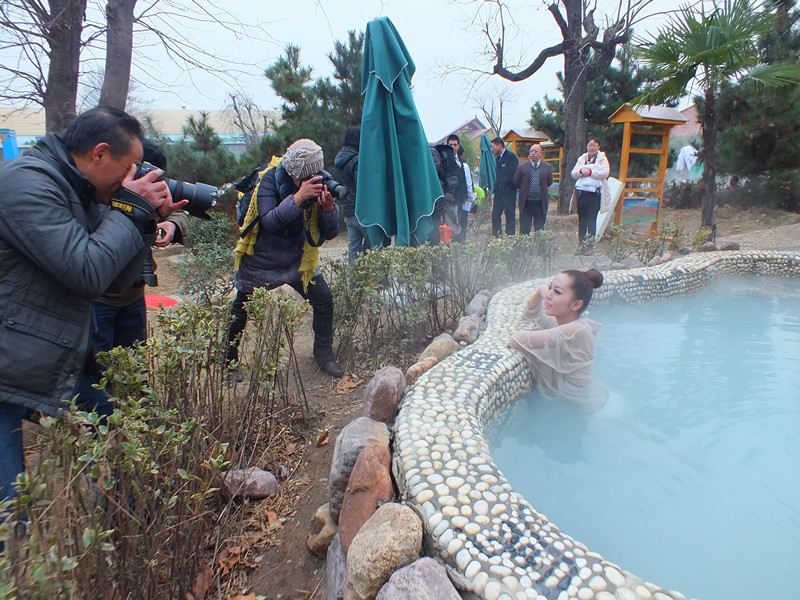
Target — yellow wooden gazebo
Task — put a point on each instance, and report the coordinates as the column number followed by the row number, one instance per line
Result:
column 520, row 144
column 642, row 197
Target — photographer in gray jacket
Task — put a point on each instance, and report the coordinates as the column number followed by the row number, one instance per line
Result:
column 72, row 220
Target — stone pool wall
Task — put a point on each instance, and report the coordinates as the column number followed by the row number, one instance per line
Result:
column 492, row 541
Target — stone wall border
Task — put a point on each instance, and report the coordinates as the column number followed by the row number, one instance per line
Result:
column 493, row 543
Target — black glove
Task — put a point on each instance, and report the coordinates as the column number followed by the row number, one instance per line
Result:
column 134, row 206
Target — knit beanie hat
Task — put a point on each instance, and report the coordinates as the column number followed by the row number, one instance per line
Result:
column 302, row 159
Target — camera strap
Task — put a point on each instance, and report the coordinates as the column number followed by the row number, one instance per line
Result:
column 309, row 214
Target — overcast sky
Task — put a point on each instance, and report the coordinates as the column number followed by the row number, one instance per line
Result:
column 440, row 36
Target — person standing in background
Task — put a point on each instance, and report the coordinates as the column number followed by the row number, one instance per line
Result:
column 591, row 192
column 533, row 179
column 469, row 201
column 505, row 200
column 345, row 169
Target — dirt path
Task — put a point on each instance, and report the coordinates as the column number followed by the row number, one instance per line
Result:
column 287, row 570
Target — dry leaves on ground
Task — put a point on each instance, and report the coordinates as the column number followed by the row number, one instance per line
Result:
column 346, row 384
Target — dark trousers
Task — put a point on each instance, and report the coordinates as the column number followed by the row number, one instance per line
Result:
column 588, row 207
column 318, row 296
column 505, row 203
column 119, row 325
column 533, row 211
column 11, row 418
column 463, row 221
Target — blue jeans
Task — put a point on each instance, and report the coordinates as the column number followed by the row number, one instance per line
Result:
column 357, row 236
column 11, row 418
column 119, row 325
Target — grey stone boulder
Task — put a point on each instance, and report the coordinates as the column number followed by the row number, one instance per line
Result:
column 708, row 247
column 440, row 348
column 468, row 330
column 418, row 368
column 355, row 436
column 336, row 571
column 729, row 246
column 321, row 531
column 383, row 394
column 389, row 540
column 424, row 579
column 251, row 483
column 478, row 305
column 601, row 263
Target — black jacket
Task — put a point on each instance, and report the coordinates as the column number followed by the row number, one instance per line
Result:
column 345, row 170
column 507, row 164
column 59, row 250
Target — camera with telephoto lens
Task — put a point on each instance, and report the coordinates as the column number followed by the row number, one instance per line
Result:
column 334, row 187
column 201, row 196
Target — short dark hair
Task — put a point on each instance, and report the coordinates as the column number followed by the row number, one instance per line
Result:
column 595, row 140
column 154, row 154
column 352, row 137
column 499, row 140
column 453, row 136
column 102, row 124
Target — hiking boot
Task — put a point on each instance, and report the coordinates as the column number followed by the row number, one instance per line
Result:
column 588, row 251
column 327, row 360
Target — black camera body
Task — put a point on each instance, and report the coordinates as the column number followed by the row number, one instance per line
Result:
column 201, row 196
column 334, row 187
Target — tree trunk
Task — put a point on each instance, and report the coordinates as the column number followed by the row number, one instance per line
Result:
column 64, row 41
column 119, row 48
column 709, row 124
column 574, row 127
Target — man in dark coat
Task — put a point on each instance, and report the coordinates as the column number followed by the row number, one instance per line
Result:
column 533, row 180
column 346, row 172
column 505, row 199
column 60, row 248
column 288, row 197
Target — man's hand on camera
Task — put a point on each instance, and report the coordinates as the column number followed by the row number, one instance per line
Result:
column 155, row 192
column 310, row 189
column 166, row 233
column 326, row 200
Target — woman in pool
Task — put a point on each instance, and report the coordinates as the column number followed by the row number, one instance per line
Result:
column 561, row 348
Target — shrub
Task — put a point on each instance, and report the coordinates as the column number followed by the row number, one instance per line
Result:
column 129, row 508
column 684, row 194
column 389, row 303
column 206, row 272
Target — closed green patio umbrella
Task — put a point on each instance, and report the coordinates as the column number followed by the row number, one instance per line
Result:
column 488, row 169
column 397, row 181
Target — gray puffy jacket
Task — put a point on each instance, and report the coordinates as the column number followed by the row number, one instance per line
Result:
column 59, row 250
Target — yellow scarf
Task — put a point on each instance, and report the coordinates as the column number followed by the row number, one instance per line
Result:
column 310, row 260
column 247, row 244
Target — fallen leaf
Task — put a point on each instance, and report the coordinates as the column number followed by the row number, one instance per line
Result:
column 323, row 438
column 228, row 559
column 248, row 597
column 272, row 518
column 347, row 383
column 203, row 583
column 290, row 448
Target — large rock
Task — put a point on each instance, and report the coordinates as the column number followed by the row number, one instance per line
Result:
column 336, row 571
column 383, row 394
column 388, row 541
column 321, row 531
column 708, row 247
column 601, row 263
column 729, row 246
column 418, row 368
column 478, row 305
column 252, row 483
column 439, row 348
column 424, row 579
column 370, row 486
column 468, row 330
column 356, row 436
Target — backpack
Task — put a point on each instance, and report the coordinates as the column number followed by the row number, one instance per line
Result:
column 248, row 192
column 450, row 167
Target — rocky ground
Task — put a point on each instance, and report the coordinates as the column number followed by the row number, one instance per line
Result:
column 286, row 569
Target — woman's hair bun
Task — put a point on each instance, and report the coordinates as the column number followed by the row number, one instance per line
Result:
column 596, row 277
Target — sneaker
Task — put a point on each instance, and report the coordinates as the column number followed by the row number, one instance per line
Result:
column 579, row 251
column 588, row 251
